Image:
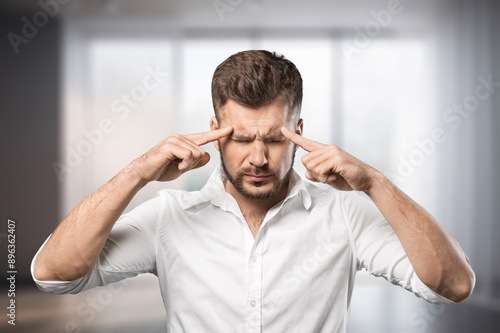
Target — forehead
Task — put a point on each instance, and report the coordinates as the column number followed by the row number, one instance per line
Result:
column 264, row 120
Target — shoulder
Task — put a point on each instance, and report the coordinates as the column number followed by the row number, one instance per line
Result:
column 323, row 194
column 179, row 197
column 350, row 203
column 165, row 200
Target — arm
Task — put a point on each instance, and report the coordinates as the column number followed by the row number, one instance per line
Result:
column 435, row 256
column 75, row 244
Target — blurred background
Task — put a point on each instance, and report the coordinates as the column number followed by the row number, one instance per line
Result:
column 410, row 87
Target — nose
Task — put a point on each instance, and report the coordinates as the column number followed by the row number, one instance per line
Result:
column 258, row 154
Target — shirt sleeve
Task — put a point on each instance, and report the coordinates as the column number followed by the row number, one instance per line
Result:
column 129, row 251
column 379, row 251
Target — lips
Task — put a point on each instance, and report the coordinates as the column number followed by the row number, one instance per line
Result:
column 257, row 178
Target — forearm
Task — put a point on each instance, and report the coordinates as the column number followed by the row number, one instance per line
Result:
column 75, row 244
column 436, row 257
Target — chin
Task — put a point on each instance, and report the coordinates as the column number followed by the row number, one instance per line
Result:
column 259, row 191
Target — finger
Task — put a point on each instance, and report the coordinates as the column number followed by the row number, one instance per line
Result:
column 317, row 158
column 206, row 137
column 185, row 156
column 182, row 141
column 310, row 177
column 195, row 158
column 306, row 144
column 202, row 161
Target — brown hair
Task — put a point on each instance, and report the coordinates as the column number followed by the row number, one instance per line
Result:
column 256, row 78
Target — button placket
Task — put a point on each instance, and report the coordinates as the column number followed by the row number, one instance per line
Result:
column 253, row 318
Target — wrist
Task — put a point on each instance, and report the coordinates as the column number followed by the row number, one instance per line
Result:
column 378, row 183
column 130, row 178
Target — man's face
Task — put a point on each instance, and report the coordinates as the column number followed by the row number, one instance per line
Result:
column 257, row 159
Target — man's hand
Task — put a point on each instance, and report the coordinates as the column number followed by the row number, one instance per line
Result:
column 331, row 165
column 175, row 155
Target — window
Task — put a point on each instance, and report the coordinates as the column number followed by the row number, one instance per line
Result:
column 388, row 106
column 375, row 107
column 118, row 105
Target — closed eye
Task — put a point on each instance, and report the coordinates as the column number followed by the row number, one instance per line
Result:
column 274, row 140
column 241, row 140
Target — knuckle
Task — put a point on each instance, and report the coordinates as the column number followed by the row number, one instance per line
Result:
column 189, row 154
column 318, row 170
column 176, row 137
column 166, row 147
column 199, row 154
column 333, row 149
column 171, row 140
column 194, row 154
column 337, row 160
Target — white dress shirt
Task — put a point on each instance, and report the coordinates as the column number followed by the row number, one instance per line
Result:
column 296, row 275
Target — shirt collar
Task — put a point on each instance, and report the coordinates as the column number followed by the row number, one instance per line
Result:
column 215, row 193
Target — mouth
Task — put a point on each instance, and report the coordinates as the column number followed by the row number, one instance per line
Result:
column 258, row 178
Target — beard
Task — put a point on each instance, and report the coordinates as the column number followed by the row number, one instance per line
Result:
column 237, row 179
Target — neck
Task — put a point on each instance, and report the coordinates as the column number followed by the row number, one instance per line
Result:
column 256, row 205
column 254, row 211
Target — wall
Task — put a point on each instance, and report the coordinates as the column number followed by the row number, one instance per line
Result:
column 29, row 137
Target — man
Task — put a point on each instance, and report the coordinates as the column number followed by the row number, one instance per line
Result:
column 258, row 249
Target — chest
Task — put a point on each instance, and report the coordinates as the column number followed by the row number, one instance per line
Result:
column 254, row 220
column 289, row 248
column 297, row 256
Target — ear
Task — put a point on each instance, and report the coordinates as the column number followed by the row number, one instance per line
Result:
column 214, row 124
column 300, row 126
column 299, row 129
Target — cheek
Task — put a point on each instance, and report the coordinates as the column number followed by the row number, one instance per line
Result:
column 233, row 153
column 282, row 156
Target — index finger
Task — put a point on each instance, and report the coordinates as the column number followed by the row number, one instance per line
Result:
column 205, row 137
column 306, row 144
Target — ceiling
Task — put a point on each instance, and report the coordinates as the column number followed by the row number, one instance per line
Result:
column 239, row 13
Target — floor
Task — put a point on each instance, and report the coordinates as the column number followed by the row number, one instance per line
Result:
column 136, row 306
column 130, row 307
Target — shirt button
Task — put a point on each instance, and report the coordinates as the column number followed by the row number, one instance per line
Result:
column 254, row 259
column 253, row 303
